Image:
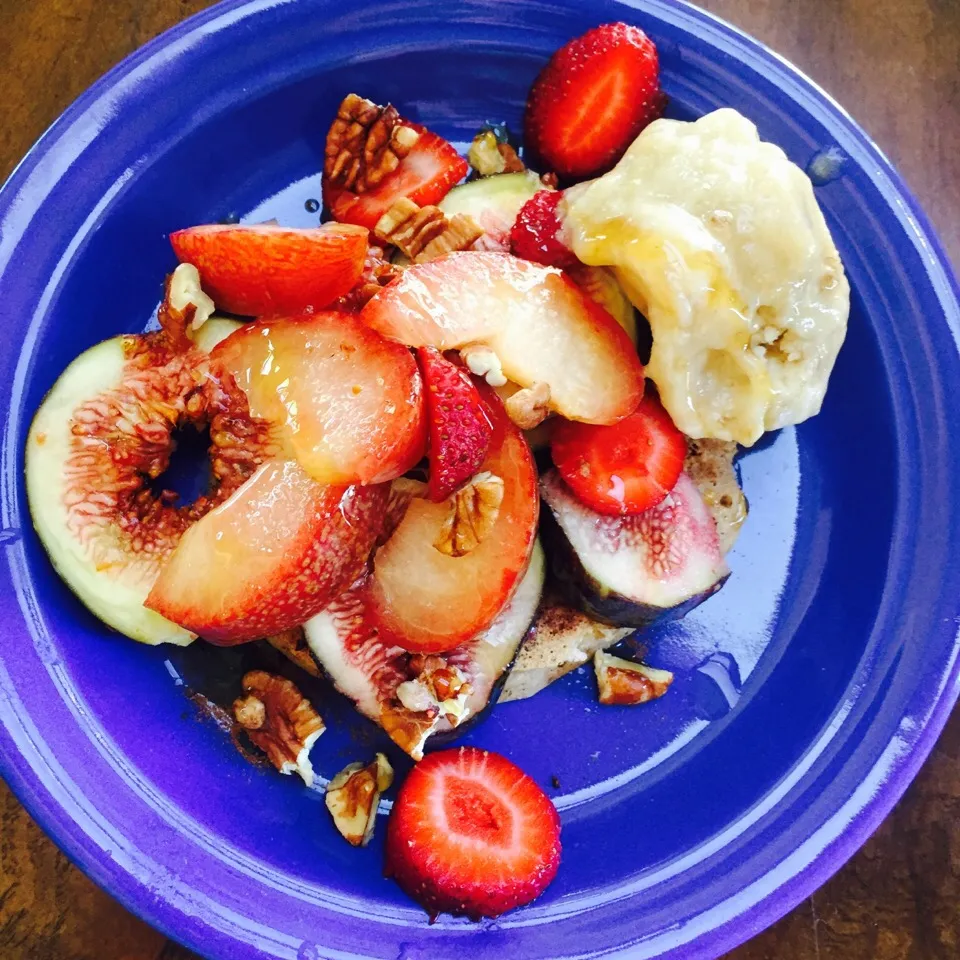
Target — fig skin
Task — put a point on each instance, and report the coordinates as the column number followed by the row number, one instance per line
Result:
column 103, row 433
column 600, row 602
column 381, row 671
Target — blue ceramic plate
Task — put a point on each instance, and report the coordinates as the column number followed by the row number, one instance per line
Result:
column 809, row 690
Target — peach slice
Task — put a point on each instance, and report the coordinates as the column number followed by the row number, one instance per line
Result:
column 270, row 557
column 542, row 327
column 348, row 401
column 427, row 599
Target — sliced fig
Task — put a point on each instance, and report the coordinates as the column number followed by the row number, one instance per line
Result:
column 636, row 570
column 95, row 456
column 494, row 203
column 371, row 673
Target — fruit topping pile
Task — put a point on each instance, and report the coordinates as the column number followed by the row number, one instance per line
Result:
column 439, row 472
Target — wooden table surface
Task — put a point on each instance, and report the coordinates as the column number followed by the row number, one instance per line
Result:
column 895, row 64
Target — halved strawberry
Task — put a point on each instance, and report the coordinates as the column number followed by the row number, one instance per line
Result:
column 260, row 270
column 427, row 600
column 592, row 99
column 425, row 175
column 535, row 234
column 270, row 557
column 625, row 468
column 471, row 834
column 460, row 425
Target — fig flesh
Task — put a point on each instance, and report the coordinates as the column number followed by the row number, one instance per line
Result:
column 633, row 571
column 370, row 672
column 102, row 437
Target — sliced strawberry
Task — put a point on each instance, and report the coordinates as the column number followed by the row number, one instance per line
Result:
column 623, row 469
column 270, row 557
column 471, row 834
column 460, row 426
column 592, row 99
column 424, row 176
column 348, row 402
column 541, row 326
column 535, row 234
column 265, row 270
column 426, row 600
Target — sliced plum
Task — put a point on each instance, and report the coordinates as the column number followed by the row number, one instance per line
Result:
column 348, row 402
column 347, row 647
column 433, row 591
column 543, row 328
column 258, row 270
column 270, row 556
column 636, row 570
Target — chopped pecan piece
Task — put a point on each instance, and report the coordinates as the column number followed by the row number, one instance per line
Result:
column 436, row 692
column 425, row 233
column 623, row 682
column 409, row 226
column 482, row 361
column 529, row 407
column 280, row 721
column 353, row 796
column 293, row 645
column 474, row 509
column 460, row 233
column 378, row 271
column 366, row 143
column 409, row 729
column 185, row 306
column 511, row 159
column 436, row 686
column 488, row 156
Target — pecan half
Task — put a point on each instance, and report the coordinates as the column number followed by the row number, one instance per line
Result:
column 624, row 683
column 529, row 407
column 365, row 144
column 474, row 509
column 280, row 721
column 425, row 233
column 353, row 796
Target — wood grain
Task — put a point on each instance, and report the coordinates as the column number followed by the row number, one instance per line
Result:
column 895, row 64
